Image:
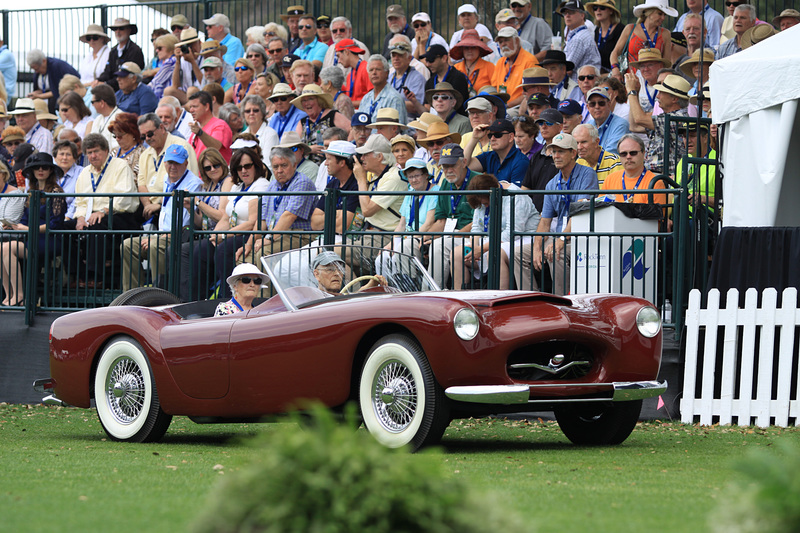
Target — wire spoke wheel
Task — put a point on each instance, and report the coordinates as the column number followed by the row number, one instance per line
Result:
column 395, row 396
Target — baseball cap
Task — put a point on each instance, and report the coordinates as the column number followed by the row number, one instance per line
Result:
column 326, row 258
column 504, row 15
column 421, row 16
column 436, row 50
column 375, row 143
column 507, row 33
column 415, row 163
column 451, row 153
column 481, row 104
column 502, row 126
column 217, row 19
column 349, row 45
column 570, row 107
column 467, row 8
column 360, row 118
column 550, row 115
column 341, row 149
column 176, row 153
column 288, row 60
column 128, row 68
column 395, row 10
column 211, row 62
column 539, row 99
column 599, row 91
column 565, row 141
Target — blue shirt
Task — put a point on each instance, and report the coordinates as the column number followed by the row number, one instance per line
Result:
column 557, row 205
column 421, row 209
column 288, row 122
column 235, row 49
column 611, row 131
column 300, row 205
column 67, row 184
column 139, row 102
column 8, row 66
column 314, row 51
column 512, row 169
column 388, row 97
column 188, row 182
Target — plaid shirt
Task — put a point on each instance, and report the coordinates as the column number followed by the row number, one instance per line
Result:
column 300, row 205
column 654, row 154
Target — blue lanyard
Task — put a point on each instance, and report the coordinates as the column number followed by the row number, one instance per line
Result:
column 307, row 49
column 240, row 196
column 246, row 90
column 353, row 78
column 511, row 68
column 123, row 156
column 638, row 182
column 237, row 304
column 335, row 96
column 436, row 77
column 308, row 126
column 33, row 132
column 172, row 186
column 474, row 77
column 522, row 26
column 428, row 43
column 650, row 43
column 402, row 82
column 180, row 121
column 486, row 219
column 600, row 39
column 565, row 197
column 599, row 160
column 647, row 91
column 284, row 121
column 575, row 32
column 604, row 128
column 157, row 162
column 373, row 106
column 277, row 200
column 207, row 199
column 102, row 173
column 416, row 204
column 5, row 188
column 438, row 177
column 455, row 199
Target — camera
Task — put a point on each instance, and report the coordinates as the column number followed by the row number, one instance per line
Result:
column 185, row 49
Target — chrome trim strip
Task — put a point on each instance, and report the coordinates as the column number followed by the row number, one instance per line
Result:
column 40, row 384
column 549, row 369
column 520, row 394
column 637, row 390
column 495, row 394
column 52, row 400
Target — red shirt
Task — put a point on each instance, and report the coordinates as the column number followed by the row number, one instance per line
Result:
column 357, row 83
column 218, row 129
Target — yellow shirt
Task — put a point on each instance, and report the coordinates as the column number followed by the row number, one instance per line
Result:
column 117, row 178
column 385, row 219
column 152, row 179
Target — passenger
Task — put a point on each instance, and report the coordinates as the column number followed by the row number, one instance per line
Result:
column 245, row 283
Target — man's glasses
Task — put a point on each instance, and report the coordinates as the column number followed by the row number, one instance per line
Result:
column 585, row 77
column 597, row 103
column 239, row 69
column 176, row 28
column 444, row 97
column 209, row 168
column 96, row 101
column 338, row 30
column 439, row 142
column 253, row 56
column 148, row 135
column 516, row 6
column 545, row 123
column 632, row 153
column 280, row 98
column 305, row 27
column 275, row 51
column 498, row 134
column 244, row 166
column 247, row 280
column 418, row 25
column 322, row 25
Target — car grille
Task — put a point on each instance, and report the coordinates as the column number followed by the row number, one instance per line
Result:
column 551, row 360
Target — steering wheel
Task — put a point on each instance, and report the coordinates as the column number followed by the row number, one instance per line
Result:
column 346, row 288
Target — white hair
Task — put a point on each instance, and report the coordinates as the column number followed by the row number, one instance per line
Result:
column 35, row 57
column 381, row 59
column 591, row 129
column 256, row 34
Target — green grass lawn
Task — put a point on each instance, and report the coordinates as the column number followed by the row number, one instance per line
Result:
column 60, row 472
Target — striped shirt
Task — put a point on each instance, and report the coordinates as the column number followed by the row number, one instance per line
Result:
column 609, row 162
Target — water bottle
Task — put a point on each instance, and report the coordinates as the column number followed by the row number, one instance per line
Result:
column 667, row 314
column 556, row 43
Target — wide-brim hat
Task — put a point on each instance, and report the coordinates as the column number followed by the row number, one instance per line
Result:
column 756, row 34
column 312, row 89
column 408, row 139
column 388, row 116
column 786, row 13
column 439, row 130
column 424, row 121
column 282, row 89
column 291, row 139
column 647, row 55
column 14, row 136
column 674, row 85
column 211, row 46
column 706, row 94
column 443, row 86
column 469, row 39
column 293, row 11
column 661, row 5
column 536, row 76
column 124, row 23
column 708, row 58
column 188, row 36
column 94, row 29
column 610, row 4
column 42, row 111
column 41, row 159
column 23, row 106
column 555, row 57
column 247, row 269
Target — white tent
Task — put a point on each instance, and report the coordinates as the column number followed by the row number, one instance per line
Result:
column 756, row 93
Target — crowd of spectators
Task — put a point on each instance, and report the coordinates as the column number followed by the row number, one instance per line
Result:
column 303, row 105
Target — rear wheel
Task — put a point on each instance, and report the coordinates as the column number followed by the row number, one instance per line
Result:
column 146, row 297
column 598, row 424
column 125, row 394
column 401, row 403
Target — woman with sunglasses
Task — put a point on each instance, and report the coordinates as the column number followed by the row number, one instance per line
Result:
column 94, row 63
column 318, row 105
column 248, row 174
column 245, row 283
column 258, row 56
column 162, row 76
column 607, row 29
column 74, row 113
column 43, row 175
column 646, row 32
column 197, row 257
column 125, row 130
column 245, row 74
column 255, row 116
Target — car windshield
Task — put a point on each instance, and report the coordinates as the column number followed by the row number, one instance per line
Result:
column 315, row 272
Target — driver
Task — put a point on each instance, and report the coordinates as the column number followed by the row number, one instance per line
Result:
column 329, row 270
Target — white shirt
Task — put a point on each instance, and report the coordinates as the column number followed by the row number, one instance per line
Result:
column 267, row 139
column 242, row 206
column 92, row 67
column 100, row 126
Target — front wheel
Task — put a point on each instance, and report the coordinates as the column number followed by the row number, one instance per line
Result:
column 125, row 394
column 401, row 403
column 598, row 424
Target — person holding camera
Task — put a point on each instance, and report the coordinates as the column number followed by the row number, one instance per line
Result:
column 187, row 72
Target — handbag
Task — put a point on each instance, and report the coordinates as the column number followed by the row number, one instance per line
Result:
column 623, row 63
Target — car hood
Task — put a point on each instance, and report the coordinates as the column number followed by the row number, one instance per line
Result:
column 489, row 298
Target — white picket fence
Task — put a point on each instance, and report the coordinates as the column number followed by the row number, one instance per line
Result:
column 745, row 381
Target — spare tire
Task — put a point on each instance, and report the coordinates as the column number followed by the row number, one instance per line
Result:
column 146, row 297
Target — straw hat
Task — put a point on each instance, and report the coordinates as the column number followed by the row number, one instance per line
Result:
column 439, row 130
column 708, row 58
column 188, row 36
column 291, row 139
column 610, row 4
column 442, row 87
column 424, row 121
column 786, row 13
column 94, row 29
column 674, row 85
column 23, row 106
column 756, row 34
column 388, row 116
column 312, row 89
column 293, row 11
column 469, row 39
column 661, row 5
column 282, row 89
column 536, row 76
column 706, row 94
column 650, row 54
column 120, row 23
column 42, row 111
column 211, row 46
column 404, row 139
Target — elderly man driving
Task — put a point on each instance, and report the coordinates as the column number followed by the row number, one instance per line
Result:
column 329, row 270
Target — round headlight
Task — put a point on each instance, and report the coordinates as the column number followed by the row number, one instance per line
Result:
column 648, row 320
column 466, row 324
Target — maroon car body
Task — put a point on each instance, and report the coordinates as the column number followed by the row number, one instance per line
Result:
column 267, row 360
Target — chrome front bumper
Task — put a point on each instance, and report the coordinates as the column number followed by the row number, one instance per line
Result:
column 622, row 391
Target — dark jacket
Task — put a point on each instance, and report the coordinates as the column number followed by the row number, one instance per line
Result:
column 132, row 52
column 56, row 69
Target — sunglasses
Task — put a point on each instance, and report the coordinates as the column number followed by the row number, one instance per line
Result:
column 280, row 98
column 148, row 135
column 442, row 97
column 322, row 25
column 244, row 166
column 440, row 142
column 339, row 30
column 176, row 28
column 597, row 103
column 420, row 25
column 585, row 77
column 599, row 8
column 545, row 123
column 249, row 111
column 247, row 280
column 516, row 6
column 213, row 166
column 239, row 69
column 632, row 153
column 732, row 3
column 275, row 51
column 498, row 134
column 96, row 101
column 12, row 143
column 305, row 27
column 93, row 37
column 253, row 56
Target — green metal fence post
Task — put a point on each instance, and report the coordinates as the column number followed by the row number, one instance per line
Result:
column 329, row 231
column 103, row 15
column 175, row 240
column 32, row 266
column 495, row 229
